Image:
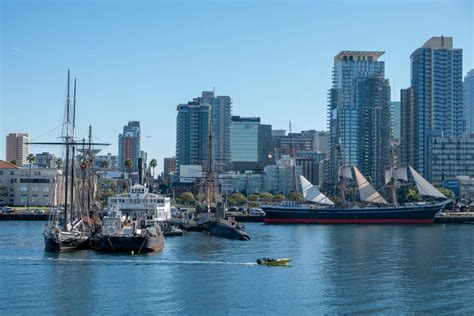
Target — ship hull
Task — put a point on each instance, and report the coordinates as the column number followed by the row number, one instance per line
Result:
column 416, row 214
column 137, row 244
column 51, row 244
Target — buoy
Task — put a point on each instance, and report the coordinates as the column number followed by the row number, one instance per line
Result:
column 132, row 252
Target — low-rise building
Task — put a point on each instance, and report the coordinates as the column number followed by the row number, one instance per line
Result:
column 45, row 160
column 279, row 177
column 35, row 186
column 247, row 182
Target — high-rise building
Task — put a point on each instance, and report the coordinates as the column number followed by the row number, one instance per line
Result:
column 192, row 130
column 250, row 141
column 451, row 157
column 358, row 111
column 129, row 145
column 169, row 169
column 309, row 162
column 17, row 148
column 432, row 106
column 395, row 112
column 221, row 111
column 468, row 92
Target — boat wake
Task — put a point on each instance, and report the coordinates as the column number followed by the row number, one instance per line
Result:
column 137, row 261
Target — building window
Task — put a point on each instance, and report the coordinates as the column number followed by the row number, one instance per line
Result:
column 23, row 189
column 46, row 189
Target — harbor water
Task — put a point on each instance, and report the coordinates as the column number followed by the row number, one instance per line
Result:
column 389, row 269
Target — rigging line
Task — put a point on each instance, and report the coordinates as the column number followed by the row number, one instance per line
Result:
column 51, row 130
column 93, row 137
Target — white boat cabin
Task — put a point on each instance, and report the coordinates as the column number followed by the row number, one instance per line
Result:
column 139, row 203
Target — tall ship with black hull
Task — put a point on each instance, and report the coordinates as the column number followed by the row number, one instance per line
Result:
column 69, row 225
column 372, row 209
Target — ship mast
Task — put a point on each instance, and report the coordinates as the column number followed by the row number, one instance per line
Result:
column 89, row 162
column 342, row 184
column 392, row 184
column 293, row 153
column 209, row 173
column 73, row 152
column 67, row 155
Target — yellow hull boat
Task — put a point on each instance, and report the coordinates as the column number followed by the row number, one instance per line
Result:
column 274, row 262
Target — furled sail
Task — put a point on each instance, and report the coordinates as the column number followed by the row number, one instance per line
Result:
column 397, row 173
column 311, row 193
column 345, row 172
column 366, row 190
column 424, row 187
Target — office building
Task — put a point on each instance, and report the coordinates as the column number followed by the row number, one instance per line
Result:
column 17, row 148
column 192, row 131
column 451, row 157
column 45, row 160
column 247, row 182
column 250, row 140
column 468, row 91
column 112, row 161
column 279, row 178
column 432, row 105
column 359, row 115
column 129, row 146
column 309, row 162
column 395, row 112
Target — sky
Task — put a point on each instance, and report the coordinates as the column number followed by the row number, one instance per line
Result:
column 137, row 60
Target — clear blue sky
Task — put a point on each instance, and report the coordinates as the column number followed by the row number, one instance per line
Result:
column 136, row 60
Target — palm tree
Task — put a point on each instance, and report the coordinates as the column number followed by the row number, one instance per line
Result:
column 13, row 162
column 58, row 162
column 153, row 164
column 30, row 159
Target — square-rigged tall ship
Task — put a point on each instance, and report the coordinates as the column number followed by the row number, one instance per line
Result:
column 375, row 209
column 69, row 225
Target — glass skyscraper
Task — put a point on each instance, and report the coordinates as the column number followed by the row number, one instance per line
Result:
column 359, row 114
column 192, row 131
column 250, row 140
column 432, row 106
column 468, row 87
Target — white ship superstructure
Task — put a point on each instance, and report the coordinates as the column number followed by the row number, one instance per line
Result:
column 138, row 203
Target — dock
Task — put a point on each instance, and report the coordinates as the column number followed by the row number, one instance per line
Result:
column 455, row 218
column 23, row 216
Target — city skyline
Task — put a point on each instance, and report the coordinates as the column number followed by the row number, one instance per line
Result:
column 142, row 69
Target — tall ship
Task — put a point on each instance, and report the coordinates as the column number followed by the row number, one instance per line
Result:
column 132, row 223
column 69, row 225
column 373, row 208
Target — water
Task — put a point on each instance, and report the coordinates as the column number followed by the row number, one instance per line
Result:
column 336, row 270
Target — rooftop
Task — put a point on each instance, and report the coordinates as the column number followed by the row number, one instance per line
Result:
column 7, row 165
column 358, row 55
column 438, row 42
